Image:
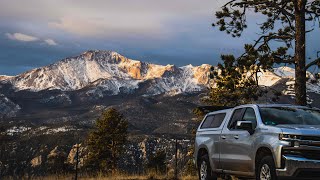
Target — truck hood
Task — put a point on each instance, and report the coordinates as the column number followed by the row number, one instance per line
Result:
column 312, row 130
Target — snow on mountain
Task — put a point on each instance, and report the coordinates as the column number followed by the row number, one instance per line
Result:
column 4, row 77
column 313, row 85
column 285, row 72
column 288, row 72
column 7, row 107
column 178, row 80
column 107, row 72
column 110, row 71
column 268, row 78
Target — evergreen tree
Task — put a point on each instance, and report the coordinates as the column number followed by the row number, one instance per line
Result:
column 284, row 29
column 106, row 142
column 233, row 86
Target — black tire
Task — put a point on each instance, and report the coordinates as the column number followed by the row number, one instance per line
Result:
column 266, row 169
column 204, row 169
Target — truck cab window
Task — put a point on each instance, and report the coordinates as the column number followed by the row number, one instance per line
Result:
column 213, row 121
column 217, row 120
column 250, row 115
column 207, row 122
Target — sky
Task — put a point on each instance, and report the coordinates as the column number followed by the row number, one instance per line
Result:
column 36, row 33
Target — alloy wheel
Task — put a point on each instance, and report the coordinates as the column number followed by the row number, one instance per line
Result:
column 203, row 170
column 265, row 172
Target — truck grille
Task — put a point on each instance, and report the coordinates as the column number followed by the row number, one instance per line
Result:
column 309, row 154
column 312, row 141
column 310, row 138
column 306, row 153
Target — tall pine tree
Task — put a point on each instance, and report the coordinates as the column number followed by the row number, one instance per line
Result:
column 284, row 27
column 106, row 142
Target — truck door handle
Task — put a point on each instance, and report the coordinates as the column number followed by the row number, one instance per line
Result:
column 223, row 137
column 236, row 137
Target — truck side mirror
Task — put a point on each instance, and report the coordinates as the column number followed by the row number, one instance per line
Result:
column 246, row 125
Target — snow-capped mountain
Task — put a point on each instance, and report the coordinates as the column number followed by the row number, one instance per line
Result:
column 313, row 84
column 103, row 73
column 112, row 72
column 151, row 96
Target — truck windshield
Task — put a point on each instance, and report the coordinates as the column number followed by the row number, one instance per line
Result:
column 289, row 115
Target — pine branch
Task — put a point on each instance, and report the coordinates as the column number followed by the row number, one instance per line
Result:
column 284, row 61
column 266, row 39
column 315, row 62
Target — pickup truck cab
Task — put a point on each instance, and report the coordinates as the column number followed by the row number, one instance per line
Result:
column 259, row 141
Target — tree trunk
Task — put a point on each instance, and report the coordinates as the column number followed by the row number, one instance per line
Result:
column 300, row 53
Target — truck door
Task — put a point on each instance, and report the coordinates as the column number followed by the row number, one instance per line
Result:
column 237, row 145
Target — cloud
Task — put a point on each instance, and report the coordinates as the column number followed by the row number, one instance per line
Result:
column 50, row 42
column 21, row 37
column 28, row 38
column 101, row 18
column 124, row 8
column 79, row 26
column 109, row 26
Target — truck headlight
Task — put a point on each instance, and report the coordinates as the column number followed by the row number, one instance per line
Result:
column 289, row 137
column 292, row 138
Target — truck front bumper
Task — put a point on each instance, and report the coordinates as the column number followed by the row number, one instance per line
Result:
column 299, row 167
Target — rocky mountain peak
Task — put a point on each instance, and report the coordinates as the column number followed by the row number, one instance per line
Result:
column 110, row 71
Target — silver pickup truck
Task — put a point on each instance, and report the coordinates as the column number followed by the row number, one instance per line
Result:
column 264, row 142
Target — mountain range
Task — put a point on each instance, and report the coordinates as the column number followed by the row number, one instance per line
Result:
column 110, row 71
column 153, row 97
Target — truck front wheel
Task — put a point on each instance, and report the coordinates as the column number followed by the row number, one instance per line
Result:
column 204, row 170
column 266, row 169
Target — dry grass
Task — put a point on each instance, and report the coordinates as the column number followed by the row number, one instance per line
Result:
column 101, row 177
column 117, row 177
column 141, row 177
